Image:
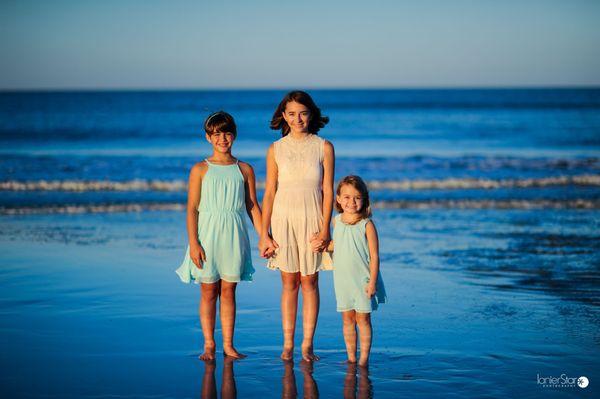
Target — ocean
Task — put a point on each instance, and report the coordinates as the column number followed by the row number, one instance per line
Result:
column 487, row 203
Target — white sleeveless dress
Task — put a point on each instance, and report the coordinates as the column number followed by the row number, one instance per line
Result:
column 298, row 205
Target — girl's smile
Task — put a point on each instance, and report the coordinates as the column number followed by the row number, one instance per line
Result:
column 220, row 141
column 350, row 199
column 297, row 117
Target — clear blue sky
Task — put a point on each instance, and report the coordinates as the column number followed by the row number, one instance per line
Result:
column 309, row 44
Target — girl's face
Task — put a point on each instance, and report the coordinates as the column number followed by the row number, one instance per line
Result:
column 297, row 117
column 221, row 141
column 350, row 199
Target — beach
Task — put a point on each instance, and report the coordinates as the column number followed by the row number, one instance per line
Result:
column 487, row 204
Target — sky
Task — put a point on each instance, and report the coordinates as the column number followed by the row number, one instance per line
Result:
column 310, row 44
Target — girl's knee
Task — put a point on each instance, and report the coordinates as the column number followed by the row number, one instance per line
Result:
column 210, row 292
column 349, row 318
column 228, row 290
column 363, row 319
column 310, row 283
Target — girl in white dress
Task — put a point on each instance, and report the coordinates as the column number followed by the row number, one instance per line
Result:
column 297, row 207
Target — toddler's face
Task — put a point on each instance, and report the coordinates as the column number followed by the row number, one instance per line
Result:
column 221, row 141
column 350, row 199
column 297, row 116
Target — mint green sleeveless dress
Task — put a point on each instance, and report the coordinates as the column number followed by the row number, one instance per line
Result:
column 351, row 271
column 222, row 230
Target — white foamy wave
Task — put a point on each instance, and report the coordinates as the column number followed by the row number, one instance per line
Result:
column 393, row 185
column 393, row 204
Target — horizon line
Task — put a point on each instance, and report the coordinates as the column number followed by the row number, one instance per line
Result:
column 284, row 88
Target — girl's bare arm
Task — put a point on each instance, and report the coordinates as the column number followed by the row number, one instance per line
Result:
column 373, row 242
column 252, row 207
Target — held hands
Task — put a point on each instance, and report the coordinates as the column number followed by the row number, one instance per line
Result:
column 267, row 247
column 370, row 290
column 320, row 241
column 197, row 255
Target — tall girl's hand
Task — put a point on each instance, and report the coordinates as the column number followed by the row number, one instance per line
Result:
column 321, row 241
column 267, row 246
column 197, row 255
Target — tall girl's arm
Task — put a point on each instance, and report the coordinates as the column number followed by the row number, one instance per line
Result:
column 194, row 193
column 328, row 173
column 266, row 243
column 252, row 207
column 373, row 242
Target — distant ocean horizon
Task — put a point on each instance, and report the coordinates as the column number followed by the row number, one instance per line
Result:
column 417, row 148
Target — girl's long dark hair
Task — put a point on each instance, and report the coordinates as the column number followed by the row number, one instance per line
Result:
column 316, row 122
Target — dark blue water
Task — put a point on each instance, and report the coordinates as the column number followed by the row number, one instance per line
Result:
column 474, row 145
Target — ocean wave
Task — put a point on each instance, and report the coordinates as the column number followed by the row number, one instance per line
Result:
column 392, row 204
column 586, row 180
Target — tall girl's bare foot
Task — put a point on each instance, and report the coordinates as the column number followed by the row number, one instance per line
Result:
column 288, row 353
column 363, row 362
column 308, row 354
column 209, row 351
column 230, row 351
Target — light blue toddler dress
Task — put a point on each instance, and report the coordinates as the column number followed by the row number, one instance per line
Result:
column 222, row 230
column 351, row 271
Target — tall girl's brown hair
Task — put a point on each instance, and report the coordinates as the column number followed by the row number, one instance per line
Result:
column 316, row 122
column 361, row 187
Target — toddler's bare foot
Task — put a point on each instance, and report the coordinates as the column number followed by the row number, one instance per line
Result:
column 308, row 354
column 288, row 353
column 230, row 351
column 209, row 352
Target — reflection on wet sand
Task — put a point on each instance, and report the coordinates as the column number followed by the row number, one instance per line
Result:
column 290, row 390
column 209, row 385
column 365, row 387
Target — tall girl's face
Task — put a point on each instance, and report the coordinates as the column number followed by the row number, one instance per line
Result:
column 350, row 199
column 297, row 117
column 221, row 141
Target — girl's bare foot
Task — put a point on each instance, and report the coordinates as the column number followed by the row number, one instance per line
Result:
column 209, row 352
column 308, row 354
column 363, row 362
column 231, row 352
column 288, row 353
column 351, row 360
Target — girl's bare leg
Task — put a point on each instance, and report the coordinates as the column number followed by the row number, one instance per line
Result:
column 310, row 313
column 227, row 311
column 289, row 309
column 208, row 311
column 311, row 390
column 364, row 327
column 349, row 330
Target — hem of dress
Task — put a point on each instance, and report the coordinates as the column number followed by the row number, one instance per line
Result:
column 213, row 279
column 356, row 310
column 275, row 267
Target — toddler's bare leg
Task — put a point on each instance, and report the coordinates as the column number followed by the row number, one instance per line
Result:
column 208, row 311
column 364, row 327
column 310, row 313
column 349, row 330
column 228, row 318
column 289, row 309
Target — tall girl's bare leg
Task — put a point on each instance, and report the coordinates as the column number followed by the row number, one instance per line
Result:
column 349, row 330
column 227, row 311
column 364, row 327
column 289, row 309
column 208, row 311
column 310, row 313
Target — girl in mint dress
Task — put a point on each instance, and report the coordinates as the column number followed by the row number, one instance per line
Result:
column 218, row 256
column 359, row 288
